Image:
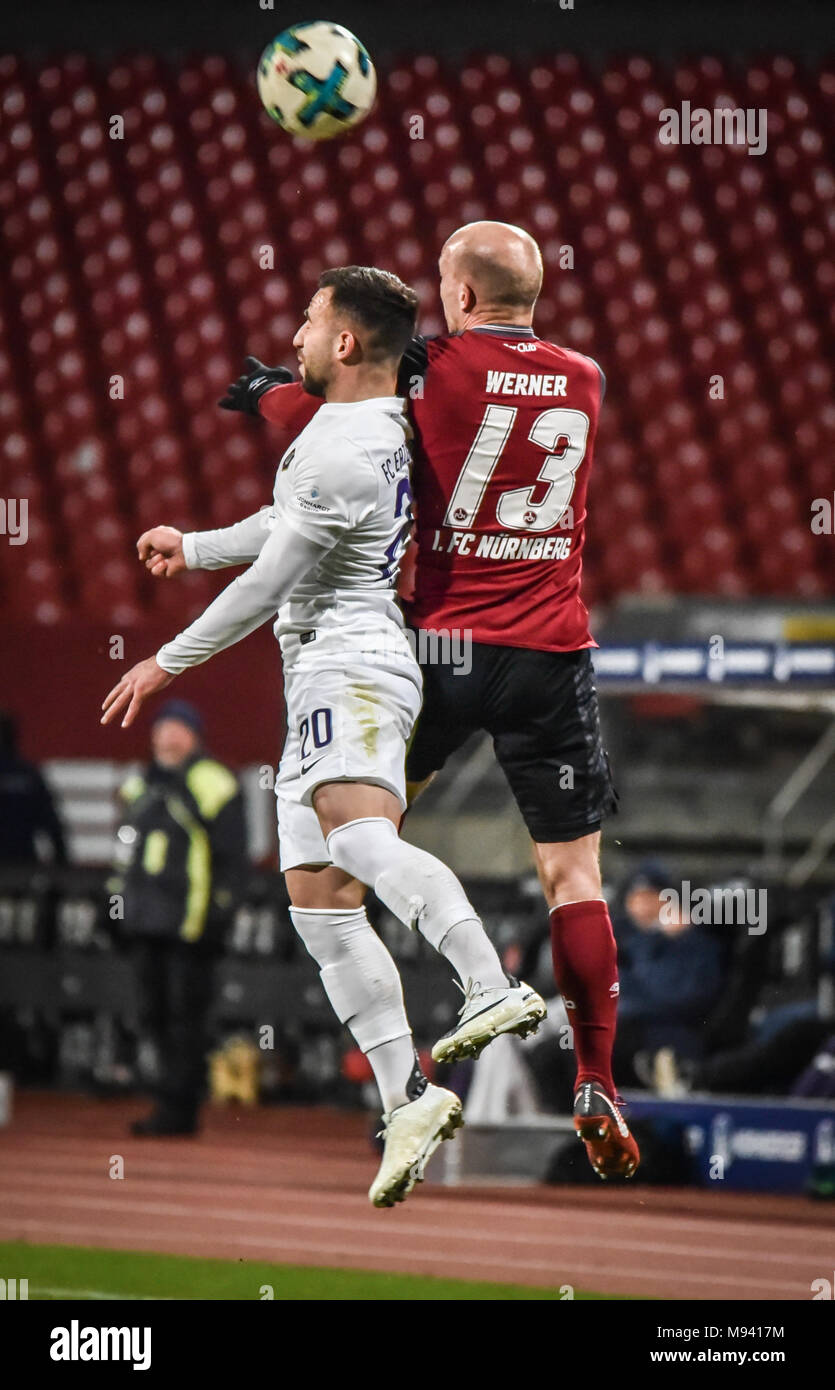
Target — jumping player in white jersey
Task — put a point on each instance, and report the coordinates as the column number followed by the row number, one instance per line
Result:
column 324, row 558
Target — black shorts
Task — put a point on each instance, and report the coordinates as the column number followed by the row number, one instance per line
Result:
column 541, row 710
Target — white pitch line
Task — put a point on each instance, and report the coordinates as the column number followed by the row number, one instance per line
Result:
column 99, row 1294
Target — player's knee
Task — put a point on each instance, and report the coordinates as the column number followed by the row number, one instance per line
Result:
column 363, row 848
column 322, row 930
column 415, row 886
column 570, row 873
column 326, row 890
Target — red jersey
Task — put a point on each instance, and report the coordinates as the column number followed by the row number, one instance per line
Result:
column 504, row 441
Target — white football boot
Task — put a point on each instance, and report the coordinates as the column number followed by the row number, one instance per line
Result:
column 412, row 1133
column 485, row 1013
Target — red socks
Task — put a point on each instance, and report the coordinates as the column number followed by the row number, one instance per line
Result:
column 586, row 969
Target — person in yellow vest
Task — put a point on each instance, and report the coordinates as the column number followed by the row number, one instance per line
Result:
column 184, row 840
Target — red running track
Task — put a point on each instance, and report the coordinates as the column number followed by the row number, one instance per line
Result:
column 289, row 1186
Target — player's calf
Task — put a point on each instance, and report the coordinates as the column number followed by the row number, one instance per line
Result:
column 363, row 985
column 421, row 892
column 424, row 894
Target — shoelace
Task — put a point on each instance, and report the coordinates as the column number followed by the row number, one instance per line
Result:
column 473, row 988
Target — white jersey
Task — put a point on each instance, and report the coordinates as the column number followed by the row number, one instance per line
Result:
column 325, row 556
column 344, row 483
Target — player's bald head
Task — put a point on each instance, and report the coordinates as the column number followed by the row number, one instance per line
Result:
column 501, row 264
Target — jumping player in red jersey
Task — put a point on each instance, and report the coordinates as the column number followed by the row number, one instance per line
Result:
column 505, row 426
column 505, row 433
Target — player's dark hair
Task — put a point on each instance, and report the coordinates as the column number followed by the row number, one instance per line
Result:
column 378, row 301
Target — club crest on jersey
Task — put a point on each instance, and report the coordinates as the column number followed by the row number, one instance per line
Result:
column 288, row 459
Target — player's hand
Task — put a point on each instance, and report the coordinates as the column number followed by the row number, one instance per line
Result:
column 245, row 393
column 133, row 690
column 161, row 551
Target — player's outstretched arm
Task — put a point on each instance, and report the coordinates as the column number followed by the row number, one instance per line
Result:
column 161, row 551
column 133, row 690
column 252, row 599
column 166, row 552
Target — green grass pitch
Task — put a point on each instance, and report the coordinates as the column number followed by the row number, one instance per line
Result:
column 58, row 1272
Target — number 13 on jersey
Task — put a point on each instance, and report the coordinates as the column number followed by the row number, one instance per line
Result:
column 561, row 432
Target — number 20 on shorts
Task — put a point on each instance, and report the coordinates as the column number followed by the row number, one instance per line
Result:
column 316, row 728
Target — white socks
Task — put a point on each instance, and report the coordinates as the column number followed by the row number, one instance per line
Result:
column 393, row 1065
column 358, row 973
column 362, row 984
column 420, row 891
column 472, row 955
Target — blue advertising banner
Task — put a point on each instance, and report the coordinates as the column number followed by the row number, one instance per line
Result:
column 747, row 1145
column 716, row 661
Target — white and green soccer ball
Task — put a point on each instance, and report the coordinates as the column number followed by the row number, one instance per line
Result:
column 316, row 80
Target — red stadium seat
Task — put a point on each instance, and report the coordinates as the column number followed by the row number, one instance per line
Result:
column 143, row 259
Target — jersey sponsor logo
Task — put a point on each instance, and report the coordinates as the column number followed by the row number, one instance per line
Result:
column 525, row 384
column 308, row 505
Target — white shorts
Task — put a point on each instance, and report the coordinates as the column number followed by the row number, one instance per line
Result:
column 346, row 722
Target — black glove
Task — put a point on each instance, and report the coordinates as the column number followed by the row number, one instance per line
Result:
column 245, row 393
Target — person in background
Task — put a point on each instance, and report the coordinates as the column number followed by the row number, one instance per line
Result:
column 791, row 1051
column 27, row 812
column 184, row 838
column 670, row 974
column 640, row 900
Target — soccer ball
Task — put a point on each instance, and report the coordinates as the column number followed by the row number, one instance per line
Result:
column 316, row 80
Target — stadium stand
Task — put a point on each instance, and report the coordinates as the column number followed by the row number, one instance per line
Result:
column 141, row 269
